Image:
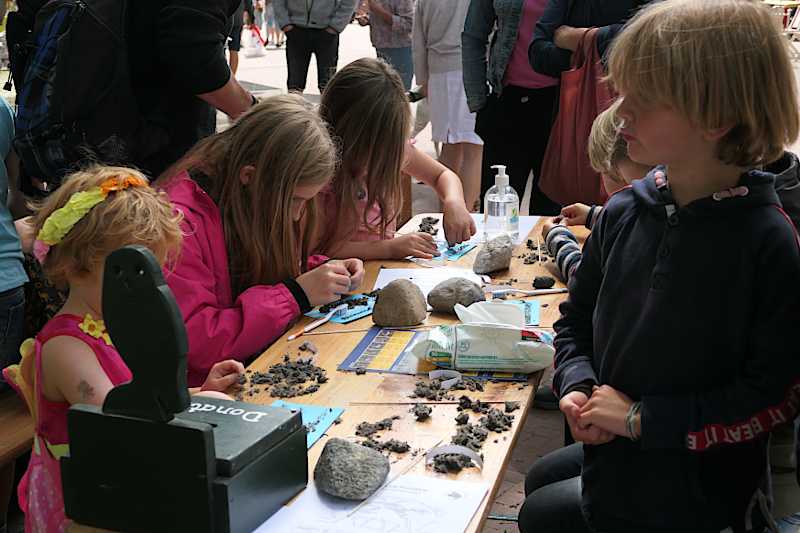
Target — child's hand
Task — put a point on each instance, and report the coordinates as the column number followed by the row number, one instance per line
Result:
column 606, row 409
column 326, row 283
column 575, row 214
column 549, row 224
column 458, row 225
column 223, row 375
column 356, row 269
column 582, row 431
column 415, row 244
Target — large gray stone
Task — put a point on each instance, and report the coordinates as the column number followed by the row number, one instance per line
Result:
column 495, row 255
column 448, row 293
column 350, row 471
column 400, row 303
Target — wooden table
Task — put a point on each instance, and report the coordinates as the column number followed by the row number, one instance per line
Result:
column 371, row 397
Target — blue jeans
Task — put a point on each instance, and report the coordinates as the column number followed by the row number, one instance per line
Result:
column 12, row 322
column 401, row 60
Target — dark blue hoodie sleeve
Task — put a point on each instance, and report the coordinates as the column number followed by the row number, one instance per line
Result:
column 543, row 54
column 767, row 391
column 574, row 341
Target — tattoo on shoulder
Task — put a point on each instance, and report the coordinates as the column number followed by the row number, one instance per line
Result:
column 86, row 390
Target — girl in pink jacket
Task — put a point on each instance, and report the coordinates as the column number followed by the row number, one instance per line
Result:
column 245, row 274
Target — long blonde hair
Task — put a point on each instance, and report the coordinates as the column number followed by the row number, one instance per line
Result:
column 289, row 145
column 366, row 105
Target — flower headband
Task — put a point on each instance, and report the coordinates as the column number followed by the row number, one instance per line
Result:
column 63, row 219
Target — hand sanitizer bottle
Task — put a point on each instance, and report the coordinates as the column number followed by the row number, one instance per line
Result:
column 501, row 208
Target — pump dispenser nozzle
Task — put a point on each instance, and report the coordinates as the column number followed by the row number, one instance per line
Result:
column 501, row 179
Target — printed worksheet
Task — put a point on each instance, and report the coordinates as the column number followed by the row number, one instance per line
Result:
column 409, row 504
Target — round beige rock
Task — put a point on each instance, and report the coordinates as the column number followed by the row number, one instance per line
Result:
column 495, row 255
column 400, row 303
column 444, row 297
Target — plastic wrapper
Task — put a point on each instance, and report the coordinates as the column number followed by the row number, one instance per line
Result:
column 487, row 347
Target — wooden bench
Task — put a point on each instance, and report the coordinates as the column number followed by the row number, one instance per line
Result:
column 16, row 438
column 17, row 435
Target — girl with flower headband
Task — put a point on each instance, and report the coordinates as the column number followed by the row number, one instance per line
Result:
column 72, row 360
column 245, row 274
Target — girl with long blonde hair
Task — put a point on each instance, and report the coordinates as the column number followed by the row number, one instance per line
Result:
column 245, row 273
column 366, row 106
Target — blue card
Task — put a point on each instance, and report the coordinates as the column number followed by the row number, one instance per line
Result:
column 316, row 418
column 530, row 308
column 453, row 253
column 359, row 311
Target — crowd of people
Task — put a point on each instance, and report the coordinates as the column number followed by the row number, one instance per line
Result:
column 674, row 354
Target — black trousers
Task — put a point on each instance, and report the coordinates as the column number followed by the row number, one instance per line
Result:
column 300, row 44
column 553, row 494
column 515, row 128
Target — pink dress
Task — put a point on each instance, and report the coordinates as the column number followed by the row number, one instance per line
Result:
column 330, row 216
column 39, row 492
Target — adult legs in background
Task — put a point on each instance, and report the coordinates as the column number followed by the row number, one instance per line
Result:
column 326, row 48
column 402, row 61
column 465, row 160
column 233, row 60
column 515, row 129
column 454, row 126
column 12, row 329
column 471, row 175
column 298, row 56
column 235, row 39
column 553, row 494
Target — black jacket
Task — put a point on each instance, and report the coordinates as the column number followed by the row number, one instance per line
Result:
column 176, row 50
column 608, row 15
column 787, row 184
column 695, row 315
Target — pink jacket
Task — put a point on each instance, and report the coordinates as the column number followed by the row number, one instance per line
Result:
column 217, row 326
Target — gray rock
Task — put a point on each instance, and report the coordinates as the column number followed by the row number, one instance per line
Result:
column 350, row 471
column 400, row 303
column 448, row 293
column 495, row 255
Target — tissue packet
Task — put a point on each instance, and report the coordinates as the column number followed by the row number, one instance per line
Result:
column 487, row 347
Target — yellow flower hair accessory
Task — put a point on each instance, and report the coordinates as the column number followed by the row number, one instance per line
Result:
column 95, row 328
column 63, row 219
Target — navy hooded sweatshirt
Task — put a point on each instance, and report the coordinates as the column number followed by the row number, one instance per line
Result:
column 692, row 311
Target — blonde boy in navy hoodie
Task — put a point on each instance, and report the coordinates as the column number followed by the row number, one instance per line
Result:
column 675, row 353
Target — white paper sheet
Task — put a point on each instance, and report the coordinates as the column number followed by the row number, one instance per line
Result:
column 410, row 504
column 424, row 278
column 526, row 225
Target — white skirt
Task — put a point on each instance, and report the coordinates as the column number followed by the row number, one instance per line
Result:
column 451, row 121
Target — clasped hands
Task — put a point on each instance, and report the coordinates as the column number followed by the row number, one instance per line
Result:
column 597, row 419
